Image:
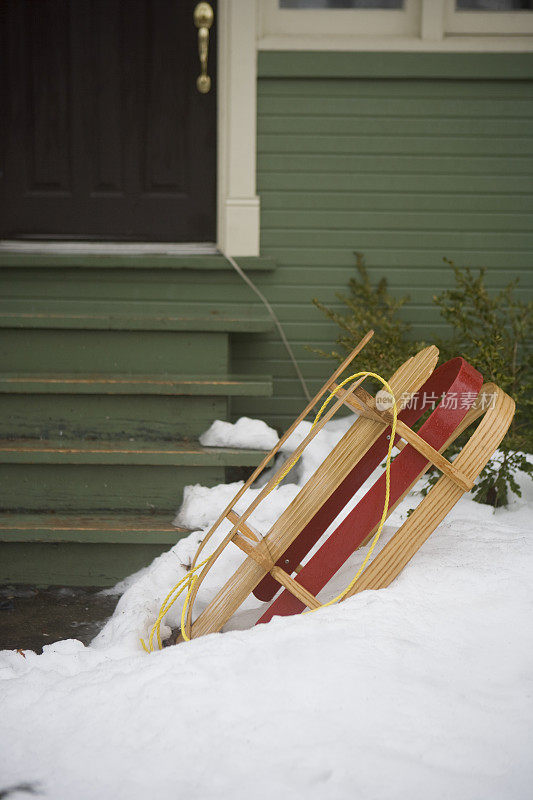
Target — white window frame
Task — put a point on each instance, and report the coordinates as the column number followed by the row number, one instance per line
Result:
column 278, row 21
column 424, row 25
column 486, row 23
column 237, row 200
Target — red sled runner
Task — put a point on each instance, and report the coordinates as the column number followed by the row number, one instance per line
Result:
column 455, row 392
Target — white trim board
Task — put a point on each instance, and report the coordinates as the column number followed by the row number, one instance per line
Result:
column 238, row 203
column 400, row 44
column 108, row 248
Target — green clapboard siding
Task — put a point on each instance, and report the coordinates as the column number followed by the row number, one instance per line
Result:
column 406, row 158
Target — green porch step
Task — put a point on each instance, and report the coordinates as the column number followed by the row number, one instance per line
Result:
column 79, row 416
column 82, row 550
column 95, row 487
column 102, row 399
column 106, row 477
column 227, row 385
column 90, row 528
column 130, row 453
column 131, row 315
column 113, row 406
column 125, row 352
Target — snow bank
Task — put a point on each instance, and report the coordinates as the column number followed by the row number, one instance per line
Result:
column 422, row 690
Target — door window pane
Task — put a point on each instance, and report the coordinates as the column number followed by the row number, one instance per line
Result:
column 320, row 4
column 494, row 5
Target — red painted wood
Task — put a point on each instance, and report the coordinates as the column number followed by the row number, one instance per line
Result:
column 454, row 379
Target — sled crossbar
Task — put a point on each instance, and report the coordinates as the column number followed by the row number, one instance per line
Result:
column 262, row 557
column 360, row 404
column 283, row 578
column 242, row 527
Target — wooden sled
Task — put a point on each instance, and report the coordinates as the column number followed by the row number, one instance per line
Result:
column 274, row 561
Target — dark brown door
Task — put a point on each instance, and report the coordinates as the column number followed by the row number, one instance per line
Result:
column 105, row 136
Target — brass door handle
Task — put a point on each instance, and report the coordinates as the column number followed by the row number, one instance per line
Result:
column 203, row 19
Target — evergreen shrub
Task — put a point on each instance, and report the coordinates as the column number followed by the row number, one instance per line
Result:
column 490, row 330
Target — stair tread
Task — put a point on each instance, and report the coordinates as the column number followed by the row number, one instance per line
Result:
column 131, row 315
column 45, row 451
column 108, row 528
column 119, row 445
column 71, row 383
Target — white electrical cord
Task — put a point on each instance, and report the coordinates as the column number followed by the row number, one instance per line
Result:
column 277, row 323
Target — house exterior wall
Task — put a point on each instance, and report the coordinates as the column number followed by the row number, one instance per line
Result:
column 408, row 158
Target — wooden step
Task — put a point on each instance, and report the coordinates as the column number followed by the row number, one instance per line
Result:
column 40, row 451
column 98, row 529
column 228, row 385
column 101, row 487
column 131, row 315
column 149, row 417
column 82, row 550
column 127, row 352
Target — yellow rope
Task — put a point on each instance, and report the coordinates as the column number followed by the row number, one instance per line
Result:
column 189, row 580
column 185, row 583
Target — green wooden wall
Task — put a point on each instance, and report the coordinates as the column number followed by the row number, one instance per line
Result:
column 408, row 158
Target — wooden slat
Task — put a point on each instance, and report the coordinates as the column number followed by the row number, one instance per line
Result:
column 394, row 220
column 128, row 316
column 41, row 451
column 118, row 384
column 295, row 588
column 360, row 402
column 110, row 528
column 258, row 552
column 279, row 574
column 432, row 455
column 249, row 533
column 242, row 527
column 13, row 254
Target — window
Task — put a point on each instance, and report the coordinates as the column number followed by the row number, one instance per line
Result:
column 489, row 17
column 494, row 5
column 453, row 25
column 300, row 18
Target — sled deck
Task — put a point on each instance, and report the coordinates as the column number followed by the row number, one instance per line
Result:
column 452, row 397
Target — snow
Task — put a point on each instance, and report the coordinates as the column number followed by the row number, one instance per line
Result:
column 422, row 690
column 246, row 432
